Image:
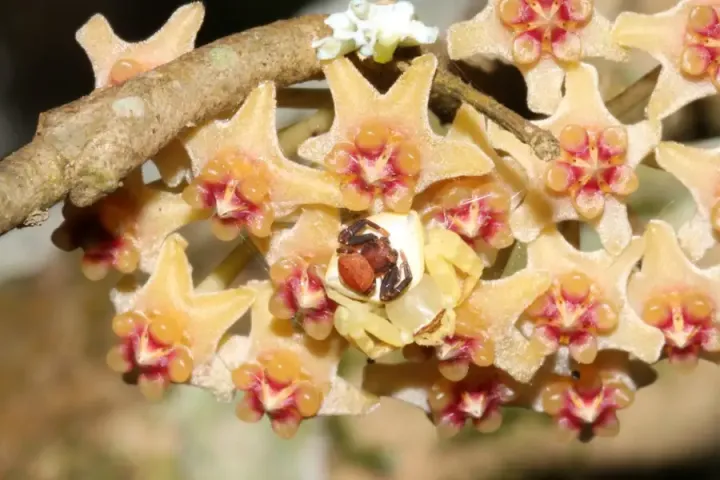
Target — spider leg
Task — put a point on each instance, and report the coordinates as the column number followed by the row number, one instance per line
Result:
column 350, row 232
column 395, row 286
column 361, row 239
column 377, row 227
column 387, row 285
column 407, row 276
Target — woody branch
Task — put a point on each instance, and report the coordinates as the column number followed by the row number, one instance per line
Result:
column 84, row 149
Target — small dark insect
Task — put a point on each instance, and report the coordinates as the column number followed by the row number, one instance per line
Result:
column 575, row 374
column 365, row 257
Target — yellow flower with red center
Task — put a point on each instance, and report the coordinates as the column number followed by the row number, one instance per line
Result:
column 595, row 172
column 592, row 166
column 125, row 230
column 154, row 347
column 571, row 314
column 378, row 162
column 589, row 402
column 166, row 328
column 676, row 297
column 298, row 258
column 493, row 309
column 242, row 177
column 282, row 372
column 477, row 209
column 586, row 308
column 276, row 386
column 687, row 319
column 546, row 27
column 477, row 400
column 470, row 344
column 381, row 147
column 702, row 44
column 685, row 40
column 543, row 38
column 237, row 188
column 300, row 295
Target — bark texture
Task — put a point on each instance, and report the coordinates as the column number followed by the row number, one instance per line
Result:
column 85, row 148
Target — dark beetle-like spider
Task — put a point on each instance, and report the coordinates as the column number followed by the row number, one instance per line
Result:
column 365, row 257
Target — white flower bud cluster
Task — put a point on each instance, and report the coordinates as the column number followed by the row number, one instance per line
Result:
column 374, row 30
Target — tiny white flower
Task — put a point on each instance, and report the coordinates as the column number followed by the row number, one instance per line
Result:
column 361, row 8
column 331, row 47
column 374, row 30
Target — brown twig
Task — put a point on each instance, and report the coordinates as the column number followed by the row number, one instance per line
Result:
column 85, row 148
column 304, row 98
column 449, row 90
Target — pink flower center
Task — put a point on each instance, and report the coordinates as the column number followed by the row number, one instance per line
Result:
column 236, row 189
column 151, row 347
column 378, row 163
column 592, row 165
column 700, row 57
column 593, row 407
column 687, row 321
column 572, row 313
column 276, row 387
column 589, row 402
column 546, row 27
column 300, row 295
column 458, row 352
column 106, row 236
column 477, row 401
column 480, row 214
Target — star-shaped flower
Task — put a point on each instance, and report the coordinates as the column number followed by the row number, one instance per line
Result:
column 595, row 173
column 282, row 373
column 476, row 208
column 124, row 230
column 685, row 40
column 494, row 307
column 586, row 309
column 114, row 61
column 242, row 176
column 381, row 146
column 543, row 38
column 588, row 402
column 699, row 170
column 298, row 257
column 478, row 399
column 676, row 297
column 166, row 329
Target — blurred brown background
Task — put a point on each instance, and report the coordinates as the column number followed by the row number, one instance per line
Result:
column 64, row 415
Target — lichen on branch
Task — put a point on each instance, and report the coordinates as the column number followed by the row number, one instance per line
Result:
column 85, row 148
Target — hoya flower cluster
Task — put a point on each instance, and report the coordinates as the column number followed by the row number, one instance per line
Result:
column 386, row 237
